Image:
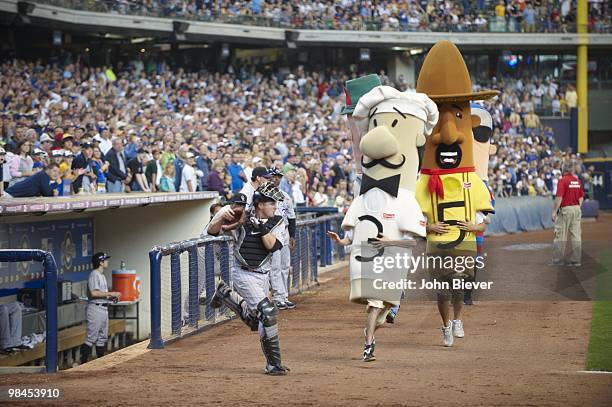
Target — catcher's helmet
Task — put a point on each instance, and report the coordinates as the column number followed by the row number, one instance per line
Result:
column 267, row 192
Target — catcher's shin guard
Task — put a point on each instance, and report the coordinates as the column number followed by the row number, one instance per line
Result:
column 222, row 297
column 270, row 343
column 100, row 351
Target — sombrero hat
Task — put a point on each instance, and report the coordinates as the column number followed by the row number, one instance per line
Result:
column 444, row 76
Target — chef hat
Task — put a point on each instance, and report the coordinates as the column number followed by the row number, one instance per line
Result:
column 383, row 99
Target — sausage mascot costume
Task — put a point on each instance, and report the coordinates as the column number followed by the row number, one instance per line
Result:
column 483, row 149
column 452, row 196
column 385, row 213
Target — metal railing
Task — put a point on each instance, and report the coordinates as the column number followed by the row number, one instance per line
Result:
column 313, row 249
column 50, row 270
column 493, row 24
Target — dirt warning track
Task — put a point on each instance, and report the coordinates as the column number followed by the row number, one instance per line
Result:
column 515, row 353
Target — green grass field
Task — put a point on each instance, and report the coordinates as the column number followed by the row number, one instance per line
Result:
column 600, row 346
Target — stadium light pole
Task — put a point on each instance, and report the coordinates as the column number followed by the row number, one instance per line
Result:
column 582, row 62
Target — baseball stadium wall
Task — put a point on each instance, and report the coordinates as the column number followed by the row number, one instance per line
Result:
column 73, row 228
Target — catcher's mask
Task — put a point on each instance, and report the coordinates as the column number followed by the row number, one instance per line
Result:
column 267, row 192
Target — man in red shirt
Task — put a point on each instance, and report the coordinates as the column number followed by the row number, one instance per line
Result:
column 566, row 215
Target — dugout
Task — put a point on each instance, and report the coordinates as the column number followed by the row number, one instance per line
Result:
column 72, row 228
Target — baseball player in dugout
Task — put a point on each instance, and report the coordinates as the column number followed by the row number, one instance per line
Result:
column 254, row 243
column 281, row 259
column 97, row 307
column 452, row 196
column 567, row 246
column 385, row 213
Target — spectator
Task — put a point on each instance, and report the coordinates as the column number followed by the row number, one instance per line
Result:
column 236, row 171
column 117, row 169
column 203, row 164
column 43, row 183
column 85, row 173
column 153, row 171
column 215, row 182
column 22, row 163
column 571, row 97
column 100, row 168
column 166, row 183
column 137, row 166
column 189, row 179
column 2, row 170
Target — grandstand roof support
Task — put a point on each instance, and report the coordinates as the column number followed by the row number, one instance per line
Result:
column 582, row 77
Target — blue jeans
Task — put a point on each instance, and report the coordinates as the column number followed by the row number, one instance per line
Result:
column 114, row 186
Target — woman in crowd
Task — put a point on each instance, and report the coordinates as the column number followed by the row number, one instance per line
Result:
column 215, row 180
column 166, row 183
column 22, row 164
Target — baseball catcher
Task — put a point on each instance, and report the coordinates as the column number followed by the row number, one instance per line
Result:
column 254, row 243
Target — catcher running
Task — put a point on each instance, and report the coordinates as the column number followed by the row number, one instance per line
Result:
column 254, row 243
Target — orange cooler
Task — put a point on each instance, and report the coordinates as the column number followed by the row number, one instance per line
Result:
column 127, row 283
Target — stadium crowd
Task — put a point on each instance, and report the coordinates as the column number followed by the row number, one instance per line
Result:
column 99, row 129
column 404, row 15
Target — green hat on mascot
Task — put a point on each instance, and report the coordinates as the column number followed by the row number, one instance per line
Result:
column 356, row 88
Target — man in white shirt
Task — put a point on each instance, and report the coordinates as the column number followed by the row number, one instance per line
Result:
column 189, row 178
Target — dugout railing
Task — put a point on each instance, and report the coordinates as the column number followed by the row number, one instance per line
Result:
column 50, row 281
column 210, row 258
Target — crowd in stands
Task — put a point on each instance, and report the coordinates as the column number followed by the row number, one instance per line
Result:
column 96, row 129
column 404, row 15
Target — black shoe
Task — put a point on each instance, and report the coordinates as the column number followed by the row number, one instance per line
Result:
column 368, row 353
column 277, row 370
column 281, row 305
column 468, row 301
column 391, row 317
column 289, row 304
column 221, row 291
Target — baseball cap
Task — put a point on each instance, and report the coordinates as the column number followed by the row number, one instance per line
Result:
column 274, row 172
column 67, row 136
column 38, row 151
column 100, row 256
column 68, row 153
column 260, row 172
column 45, row 137
column 2, row 150
column 189, row 154
column 239, row 199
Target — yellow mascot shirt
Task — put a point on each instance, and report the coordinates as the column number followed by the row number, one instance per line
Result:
column 464, row 195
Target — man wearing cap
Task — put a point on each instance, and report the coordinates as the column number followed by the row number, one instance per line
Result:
column 97, row 307
column 137, row 166
column 566, row 215
column 353, row 90
column 254, row 243
column 189, row 179
column 39, row 160
column 452, row 196
column 259, row 176
column 281, row 259
column 67, row 142
column 83, row 167
column 46, row 143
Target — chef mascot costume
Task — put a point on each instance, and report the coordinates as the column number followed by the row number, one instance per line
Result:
column 385, row 213
column 452, row 196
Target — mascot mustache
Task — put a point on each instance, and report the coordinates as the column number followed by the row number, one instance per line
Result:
column 383, row 162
